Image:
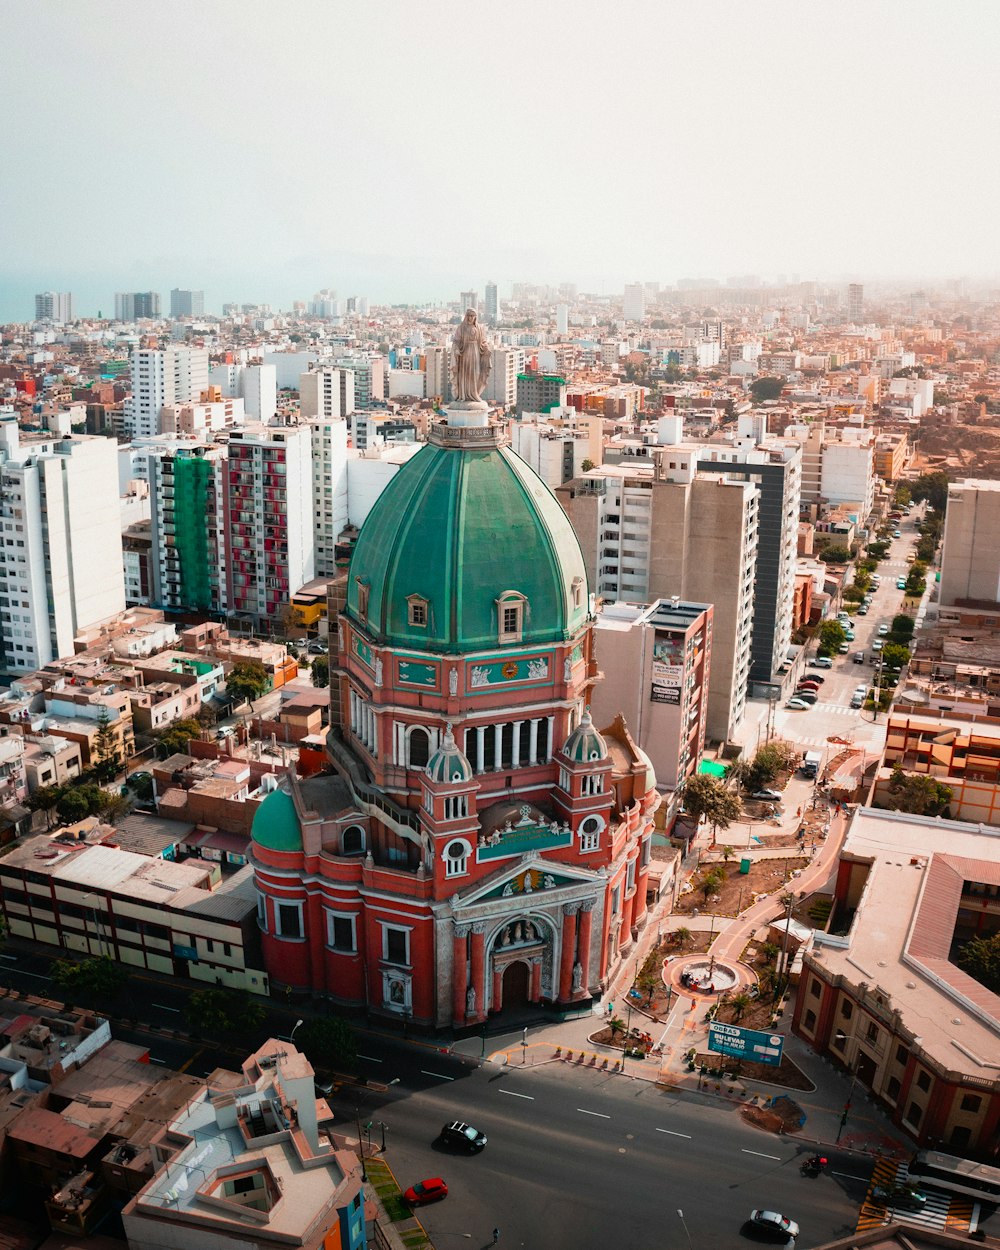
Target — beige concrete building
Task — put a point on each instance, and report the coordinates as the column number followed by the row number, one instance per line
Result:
column 251, row 1162
column 659, row 530
column 970, row 559
column 656, row 665
column 879, row 993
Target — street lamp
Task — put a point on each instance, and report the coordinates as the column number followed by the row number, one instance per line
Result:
column 298, row 1024
column 680, row 1216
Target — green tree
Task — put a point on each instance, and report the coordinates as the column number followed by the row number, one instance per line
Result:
column 46, row 799
column 917, row 793
column 739, row 1002
column 707, row 798
column 727, row 854
column 710, row 882
column 97, row 977
column 321, row 672
column 934, row 488
column 78, row 802
column 770, row 952
column 682, row 936
column 894, row 655
column 836, row 553
column 832, row 637
column 902, row 627
column 175, row 738
column 328, row 1041
column 878, row 550
column 106, row 755
column 247, row 681
column 646, row 982
column 901, row 496
column 223, row 1010
column 764, row 389
column 980, row 958
column 587, row 465
column 768, row 762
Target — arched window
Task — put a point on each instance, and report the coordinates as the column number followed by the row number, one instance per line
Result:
column 590, row 833
column 456, row 858
column 418, row 748
column 352, row 840
column 511, row 610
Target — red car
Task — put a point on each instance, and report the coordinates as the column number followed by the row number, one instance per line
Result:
column 426, row 1191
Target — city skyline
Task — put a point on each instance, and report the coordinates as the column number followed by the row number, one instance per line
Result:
column 443, row 153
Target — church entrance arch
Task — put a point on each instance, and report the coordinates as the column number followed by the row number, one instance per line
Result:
column 516, row 985
column 520, row 963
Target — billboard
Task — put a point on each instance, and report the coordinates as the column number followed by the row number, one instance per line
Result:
column 730, row 1039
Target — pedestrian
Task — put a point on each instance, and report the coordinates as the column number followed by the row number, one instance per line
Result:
column 496, row 1235
column 611, row 1008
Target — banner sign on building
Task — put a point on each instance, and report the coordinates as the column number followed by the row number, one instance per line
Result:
column 664, row 694
column 730, row 1039
column 667, row 674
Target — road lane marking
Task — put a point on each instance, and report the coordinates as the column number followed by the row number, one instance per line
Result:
column 777, row 1158
column 673, row 1134
column 164, row 1007
column 437, row 1075
column 848, row 1176
column 153, row 1059
column 369, row 1059
column 513, row 1094
column 600, row 1114
column 37, row 976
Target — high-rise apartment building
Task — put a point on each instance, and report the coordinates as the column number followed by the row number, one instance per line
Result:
column 133, row 305
column 369, row 378
column 187, row 526
column 492, row 304
column 538, row 392
column 562, row 320
column 469, row 299
column 54, row 306
column 664, row 530
column 970, row 557
column 186, row 303
column 856, row 303
column 329, row 489
column 175, row 375
column 555, row 453
column 61, row 566
column 327, row 392
column 269, row 505
column 501, row 386
column 635, row 301
column 437, row 373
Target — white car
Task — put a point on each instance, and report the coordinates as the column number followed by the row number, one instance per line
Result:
column 883, row 630
column 797, row 705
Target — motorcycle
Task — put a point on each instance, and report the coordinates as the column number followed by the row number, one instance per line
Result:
column 813, row 1165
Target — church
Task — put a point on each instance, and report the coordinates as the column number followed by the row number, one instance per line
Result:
column 477, row 845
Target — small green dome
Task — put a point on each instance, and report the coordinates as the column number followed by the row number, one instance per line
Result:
column 585, row 744
column 448, row 764
column 276, row 824
column 457, row 529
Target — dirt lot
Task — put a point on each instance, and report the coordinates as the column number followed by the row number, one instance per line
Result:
column 738, row 890
column 787, row 1074
column 783, row 1117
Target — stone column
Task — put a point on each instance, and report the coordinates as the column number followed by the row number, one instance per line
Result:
column 459, row 973
column 481, row 749
column 568, row 953
column 536, row 980
column 583, row 942
column 533, row 742
column 497, row 1003
column 497, row 747
column 515, row 748
column 479, row 967
column 550, row 746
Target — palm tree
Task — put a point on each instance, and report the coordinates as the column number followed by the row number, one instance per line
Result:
column 770, row 952
column 727, row 854
column 617, row 1025
column 739, row 1003
column 682, row 936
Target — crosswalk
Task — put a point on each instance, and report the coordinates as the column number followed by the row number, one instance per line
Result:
column 939, row 1212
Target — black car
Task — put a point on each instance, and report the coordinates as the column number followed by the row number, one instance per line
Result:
column 462, row 1136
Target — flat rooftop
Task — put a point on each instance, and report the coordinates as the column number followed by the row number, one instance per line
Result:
column 902, row 931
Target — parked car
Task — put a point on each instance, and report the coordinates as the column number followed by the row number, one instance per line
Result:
column 766, row 794
column 807, row 696
column 429, row 1190
column 857, row 701
column 774, row 1223
column 863, row 610
column 849, row 635
column 897, row 533
column 822, row 661
column 876, row 644
column 883, row 630
column 317, row 648
column 900, row 583
column 795, row 704
column 818, row 678
column 462, row 1135
column 858, row 657
column 844, row 647
column 811, row 686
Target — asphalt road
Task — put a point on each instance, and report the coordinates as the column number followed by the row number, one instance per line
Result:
column 591, row 1160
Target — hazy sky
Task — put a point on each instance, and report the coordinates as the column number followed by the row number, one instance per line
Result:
column 263, row 150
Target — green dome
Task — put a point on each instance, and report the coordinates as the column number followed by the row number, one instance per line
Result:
column 585, row 744
column 448, row 764
column 275, row 823
column 456, row 528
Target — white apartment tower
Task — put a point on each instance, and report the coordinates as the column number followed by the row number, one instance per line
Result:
column 469, row 299
column 61, row 557
column 856, row 303
column 492, row 304
column 501, row 387
column 175, row 375
column 54, row 306
column 562, row 320
column 635, row 301
column 437, row 373
column 329, row 489
column 326, row 392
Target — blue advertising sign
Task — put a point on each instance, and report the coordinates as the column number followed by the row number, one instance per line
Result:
column 730, row 1039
